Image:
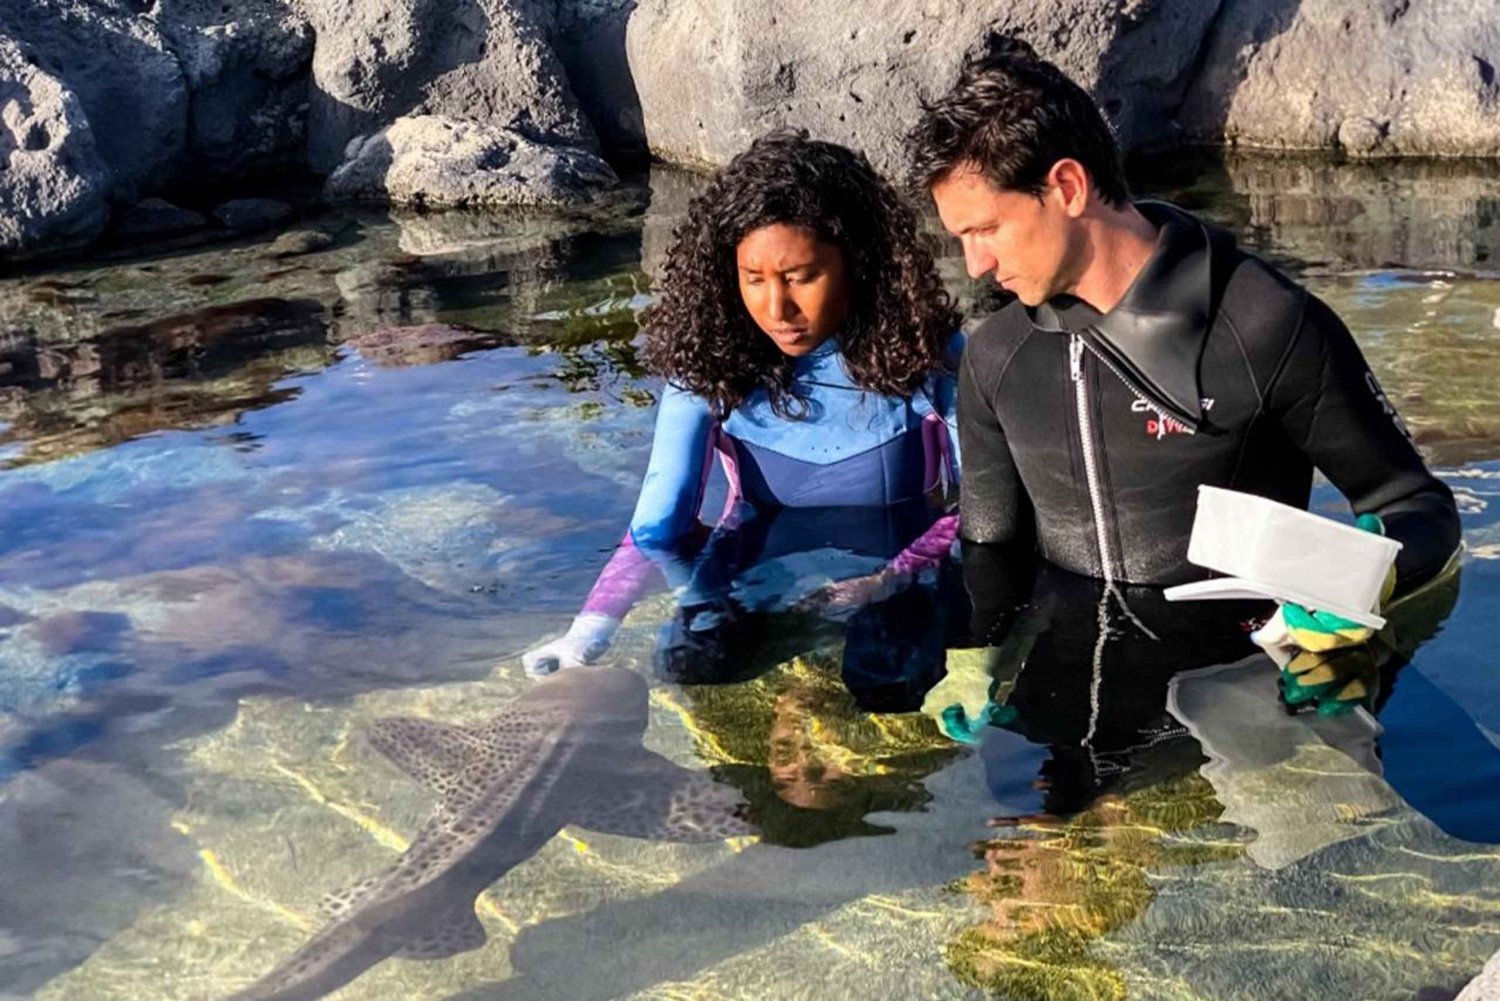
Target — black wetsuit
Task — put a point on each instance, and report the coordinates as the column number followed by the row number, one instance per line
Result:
column 1088, row 435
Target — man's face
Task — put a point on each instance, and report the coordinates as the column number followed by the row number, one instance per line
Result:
column 1023, row 240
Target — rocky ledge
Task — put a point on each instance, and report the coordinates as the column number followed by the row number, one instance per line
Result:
column 104, row 103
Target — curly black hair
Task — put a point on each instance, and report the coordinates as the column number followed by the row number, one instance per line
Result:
column 699, row 334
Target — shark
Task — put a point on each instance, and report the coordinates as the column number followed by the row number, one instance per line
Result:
column 568, row 752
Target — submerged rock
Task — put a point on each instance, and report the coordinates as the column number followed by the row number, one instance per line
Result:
column 300, row 241
column 439, row 162
column 425, row 344
column 153, row 218
column 250, row 215
column 192, row 369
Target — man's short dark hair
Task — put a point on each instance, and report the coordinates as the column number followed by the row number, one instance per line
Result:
column 1012, row 115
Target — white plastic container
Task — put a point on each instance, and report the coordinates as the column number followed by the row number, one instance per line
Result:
column 1272, row 550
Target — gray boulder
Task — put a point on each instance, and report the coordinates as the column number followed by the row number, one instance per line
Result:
column 431, row 161
column 1486, row 986
column 713, row 74
column 246, row 64
column 483, row 60
column 1369, row 78
column 54, row 186
column 130, row 87
column 589, row 37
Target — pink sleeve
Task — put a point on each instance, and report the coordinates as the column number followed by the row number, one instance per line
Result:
column 628, row 575
column 929, row 549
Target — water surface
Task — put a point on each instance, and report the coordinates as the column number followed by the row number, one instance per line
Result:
column 248, row 510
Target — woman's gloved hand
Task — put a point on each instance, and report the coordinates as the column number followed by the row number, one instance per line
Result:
column 1326, row 661
column 584, row 642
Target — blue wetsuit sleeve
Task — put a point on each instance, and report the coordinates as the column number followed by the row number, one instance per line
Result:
column 672, row 493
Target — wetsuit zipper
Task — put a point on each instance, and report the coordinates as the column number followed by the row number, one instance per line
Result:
column 1090, row 460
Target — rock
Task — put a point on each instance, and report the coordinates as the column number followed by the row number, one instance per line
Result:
column 56, row 815
column 152, row 218
column 425, row 344
column 1486, row 986
column 300, row 241
column 54, row 185
column 246, row 66
column 713, row 75
column 438, row 162
column 483, row 60
column 1385, row 78
column 129, row 86
column 500, row 239
column 589, row 38
column 249, row 215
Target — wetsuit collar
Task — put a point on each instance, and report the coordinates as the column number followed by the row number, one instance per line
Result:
column 824, row 362
column 1154, row 335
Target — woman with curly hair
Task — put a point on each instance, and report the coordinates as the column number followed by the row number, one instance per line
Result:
column 807, row 342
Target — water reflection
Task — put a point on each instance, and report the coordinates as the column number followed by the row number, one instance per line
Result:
column 1316, row 213
column 1082, row 671
column 197, row 369
column 1102, row 708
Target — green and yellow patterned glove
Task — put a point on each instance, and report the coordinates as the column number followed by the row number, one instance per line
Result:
column 1327, row 662
column 963, row 703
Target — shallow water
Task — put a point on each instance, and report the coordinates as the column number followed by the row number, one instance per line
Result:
column 243, row 521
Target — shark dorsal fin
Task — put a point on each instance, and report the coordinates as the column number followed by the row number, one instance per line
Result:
column 433, row 753
column 457, row 931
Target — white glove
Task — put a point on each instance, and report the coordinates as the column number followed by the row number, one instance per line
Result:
column 584, row 642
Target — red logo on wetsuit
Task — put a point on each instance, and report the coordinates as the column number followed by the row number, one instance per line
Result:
column 1158, row 424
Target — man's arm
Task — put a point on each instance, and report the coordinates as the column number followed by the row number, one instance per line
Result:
column 993, row 505
column 1331, row 406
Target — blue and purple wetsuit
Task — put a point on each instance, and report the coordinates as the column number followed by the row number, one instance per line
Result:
column 855, row 474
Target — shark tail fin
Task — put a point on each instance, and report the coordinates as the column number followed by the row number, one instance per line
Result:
column 457, row 931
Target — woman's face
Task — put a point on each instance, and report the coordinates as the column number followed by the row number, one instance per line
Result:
column 792, row 284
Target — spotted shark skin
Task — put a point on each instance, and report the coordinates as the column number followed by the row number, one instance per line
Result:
column 568, row 752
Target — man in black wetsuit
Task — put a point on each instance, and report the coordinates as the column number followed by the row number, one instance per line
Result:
column 1145, row 353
